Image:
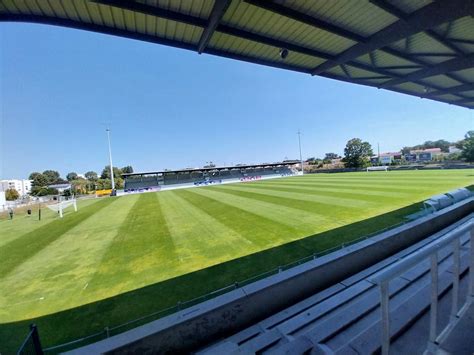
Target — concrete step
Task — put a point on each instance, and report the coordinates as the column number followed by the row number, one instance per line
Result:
column 339, row 340
column 297, row 346
column 301, row 307
column 401, row 316
column 366, row 303
column 271, row 338
column 271, row 322
column 321, row 309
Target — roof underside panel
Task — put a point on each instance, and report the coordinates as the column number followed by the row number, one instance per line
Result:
column 197, row 8
column 348, row 14
column 433, row 59
column 256, row 20
column 409, row 6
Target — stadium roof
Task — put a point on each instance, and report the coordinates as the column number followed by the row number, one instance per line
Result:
column 418, row 47
column 216, row 168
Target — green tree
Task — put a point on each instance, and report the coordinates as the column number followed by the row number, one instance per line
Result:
column 104, row 184
column 467, row 147
column 11, row 195
column 406, row 150
column 106, row 172
column 331, row 156
column 357, row 153
column 71, row 176
column 127, row 169
column 119, row 183
column 33, row 175
column 39, row 183
column 40, row 180
column 91, row 176
column 80, row 186
column 52, row 176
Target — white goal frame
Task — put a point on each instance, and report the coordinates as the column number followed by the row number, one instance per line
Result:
column 62, row 205
column 377, row 168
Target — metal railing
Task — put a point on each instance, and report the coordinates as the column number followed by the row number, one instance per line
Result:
column 181, row 305
column 31, row 344
column 430, row 251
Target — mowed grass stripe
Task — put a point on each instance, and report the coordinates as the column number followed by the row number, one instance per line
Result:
column 338, row 215
column 263, row 232
column 352, row 184
column 321, row 198
column 142, row 233
column 56, row 277
column 304, row 221
column 200, row 238
column 392, row 178
column 356, row 192
column 23, row 248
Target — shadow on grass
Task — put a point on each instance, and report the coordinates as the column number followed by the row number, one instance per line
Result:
column 71, row 324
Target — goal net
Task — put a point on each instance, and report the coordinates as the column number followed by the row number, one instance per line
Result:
column 377, row 168
column 62, row 205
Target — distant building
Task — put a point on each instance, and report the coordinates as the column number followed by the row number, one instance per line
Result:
column 454, row 149
column 426, row 154
column 386, row 158
column 23, row 187
column 3, row 201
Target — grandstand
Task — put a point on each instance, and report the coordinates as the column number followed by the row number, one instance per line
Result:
column 157, row 180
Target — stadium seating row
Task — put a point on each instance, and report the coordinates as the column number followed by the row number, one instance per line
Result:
column 200, row 177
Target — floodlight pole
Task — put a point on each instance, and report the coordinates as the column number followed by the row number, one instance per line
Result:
column 301, row 156
column 110, row 158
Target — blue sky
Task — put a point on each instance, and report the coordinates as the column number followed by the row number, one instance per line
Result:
column 171, row 108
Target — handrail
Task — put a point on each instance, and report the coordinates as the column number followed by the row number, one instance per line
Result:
column 411, row 260
column 383, row 278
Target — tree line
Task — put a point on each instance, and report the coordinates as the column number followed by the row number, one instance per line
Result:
column 91, row 181
column 357, row 153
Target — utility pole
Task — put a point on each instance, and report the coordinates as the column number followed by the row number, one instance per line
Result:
column 378, row 153
column 111, row 164
column 301, row 156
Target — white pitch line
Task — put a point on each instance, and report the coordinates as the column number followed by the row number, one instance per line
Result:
column 87, row 284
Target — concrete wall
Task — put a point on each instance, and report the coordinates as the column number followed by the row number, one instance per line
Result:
column 235, row 310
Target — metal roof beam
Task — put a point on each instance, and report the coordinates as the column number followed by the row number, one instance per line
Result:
column 309, row 20
column 317, row 23
column 467, row 100
column 154, row 11
column 396, row 67
column 462, row 40
column 368, row 83
column 431, row 54
column 454, row 89
column 438, row 69
column 174, row 16
column 55, row 21
column 393, row 10
column 427, row 17
column 218, row 11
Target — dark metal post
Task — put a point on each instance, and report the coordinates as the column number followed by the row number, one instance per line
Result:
column 36, row 340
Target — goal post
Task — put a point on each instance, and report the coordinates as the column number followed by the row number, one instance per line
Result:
column 62, row 205
column 377, row 168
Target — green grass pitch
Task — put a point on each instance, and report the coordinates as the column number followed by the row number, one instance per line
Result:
column 120, row 258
